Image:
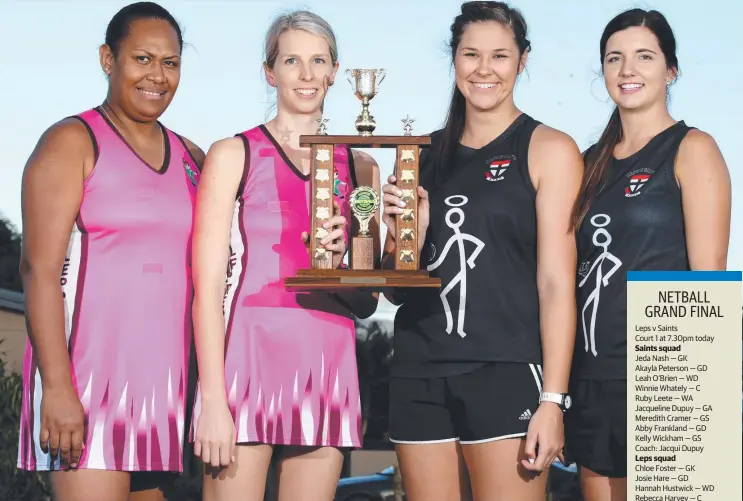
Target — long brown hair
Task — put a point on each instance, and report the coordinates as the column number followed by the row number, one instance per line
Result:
column 597, row 158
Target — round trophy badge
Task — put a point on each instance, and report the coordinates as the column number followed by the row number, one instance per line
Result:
column 364, row 202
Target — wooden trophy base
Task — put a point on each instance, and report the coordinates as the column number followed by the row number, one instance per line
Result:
column 344, row 279
column 361, row 276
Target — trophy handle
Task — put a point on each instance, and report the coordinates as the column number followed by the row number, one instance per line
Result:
column 380, row 75
column 350, row 76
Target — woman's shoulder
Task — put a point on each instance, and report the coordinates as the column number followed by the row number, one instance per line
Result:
column 548, row 141
column 196, row 152
column 551, row 136
column 70, row 135
column 554, row 153
column 699, row 148
column 697, row 140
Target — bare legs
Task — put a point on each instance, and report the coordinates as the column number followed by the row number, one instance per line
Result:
column 94, row 485
column 596, row 487
column 496, row 472
column 309, row 474
column 304, row 474
column 432, row 472
column 488, row 471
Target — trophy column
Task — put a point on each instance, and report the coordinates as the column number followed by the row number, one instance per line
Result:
column 321, row 210
column 406, row 224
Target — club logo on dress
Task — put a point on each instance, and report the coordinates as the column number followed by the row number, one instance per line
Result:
column 190, row 171
column 339, row 187
column 498, row 166
column 637, row 179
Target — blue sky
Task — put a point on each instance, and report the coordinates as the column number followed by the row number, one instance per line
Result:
column 50, row 70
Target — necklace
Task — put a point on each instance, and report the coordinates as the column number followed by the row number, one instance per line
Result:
column 103, row 109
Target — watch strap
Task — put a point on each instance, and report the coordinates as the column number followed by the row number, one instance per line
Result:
column 555, row 398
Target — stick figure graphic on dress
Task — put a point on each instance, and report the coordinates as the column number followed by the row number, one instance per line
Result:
column 455, row 202
column 601, row 238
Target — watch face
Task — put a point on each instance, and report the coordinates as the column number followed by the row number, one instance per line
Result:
column 568, row 401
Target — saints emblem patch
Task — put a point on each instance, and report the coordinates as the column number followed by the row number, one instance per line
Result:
column 497, row 167
column 637, row 180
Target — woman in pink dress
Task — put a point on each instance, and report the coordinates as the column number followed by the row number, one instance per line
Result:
column 276, row 368
column 108, row 202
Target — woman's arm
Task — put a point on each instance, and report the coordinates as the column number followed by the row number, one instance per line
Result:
column 51, row 194
column 215, row 203
column 556, row 167
column 197, row 153
column 706, row 197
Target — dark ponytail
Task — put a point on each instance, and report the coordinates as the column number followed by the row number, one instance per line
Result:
column 472, row 12
column 451, row 134
column 598, row 157
column 596, row 161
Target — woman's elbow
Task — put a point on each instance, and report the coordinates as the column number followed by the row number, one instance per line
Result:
column 709, row 263
column 24, row 268
column 35, row 274
column 207, row 295
column 556, row 286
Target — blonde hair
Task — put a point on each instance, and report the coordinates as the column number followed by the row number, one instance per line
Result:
column 298, row 20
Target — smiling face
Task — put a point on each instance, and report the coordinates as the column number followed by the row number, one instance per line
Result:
column 144, row 75
column 635, row 71
column 302, row 71
column 487, row 64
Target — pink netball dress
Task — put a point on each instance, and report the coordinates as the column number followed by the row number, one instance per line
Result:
column 290, row 361
column 127, row 292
